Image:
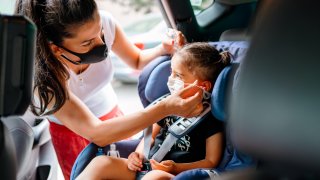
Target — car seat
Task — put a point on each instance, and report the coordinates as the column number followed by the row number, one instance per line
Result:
column 152, row 84
column 26, row 151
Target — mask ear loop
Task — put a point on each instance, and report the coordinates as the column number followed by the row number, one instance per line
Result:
column 206, row 95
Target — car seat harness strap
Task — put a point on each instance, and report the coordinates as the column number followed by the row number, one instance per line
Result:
column 177, row 130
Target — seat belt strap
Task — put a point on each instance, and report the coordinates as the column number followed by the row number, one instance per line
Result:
column 177, row 130
column 147, row 132
column 147, row 135
column 165, row 147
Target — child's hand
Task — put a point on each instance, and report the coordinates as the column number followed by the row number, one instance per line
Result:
column 167, row 166
column 135, row 161
column 174, row 40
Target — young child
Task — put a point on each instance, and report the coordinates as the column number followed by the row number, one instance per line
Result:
column 200, row 148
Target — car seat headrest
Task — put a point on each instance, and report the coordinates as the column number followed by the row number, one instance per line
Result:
column 221, row 90
column 157, row 83
column 149, row 86
column 17, row 52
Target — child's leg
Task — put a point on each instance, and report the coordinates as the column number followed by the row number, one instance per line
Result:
column 157, row 175
column 106, row 167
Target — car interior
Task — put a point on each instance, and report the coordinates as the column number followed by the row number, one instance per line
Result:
column 267, row 98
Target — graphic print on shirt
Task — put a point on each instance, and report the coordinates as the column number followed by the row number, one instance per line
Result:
column 182, row 144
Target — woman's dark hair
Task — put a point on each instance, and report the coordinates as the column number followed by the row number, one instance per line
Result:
column 54, row 20
column 204, row 60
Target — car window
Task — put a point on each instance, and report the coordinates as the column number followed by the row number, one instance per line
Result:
column 7, row 7
column 200, row 5
column 143, row 25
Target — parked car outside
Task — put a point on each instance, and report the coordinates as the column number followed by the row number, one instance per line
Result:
column 145, row 33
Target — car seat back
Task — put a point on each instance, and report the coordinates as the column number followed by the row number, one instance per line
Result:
column 26, row 149
column 17, row 39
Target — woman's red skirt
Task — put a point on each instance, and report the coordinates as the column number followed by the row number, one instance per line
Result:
column 68, row 144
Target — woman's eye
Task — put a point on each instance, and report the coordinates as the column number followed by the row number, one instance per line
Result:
column 87, row 44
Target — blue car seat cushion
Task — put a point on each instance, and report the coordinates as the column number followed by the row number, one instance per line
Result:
column 222, row 90
column 218, row 95
column 144, row 79
column 124, row 147
column 192, row 175
column 157, row 83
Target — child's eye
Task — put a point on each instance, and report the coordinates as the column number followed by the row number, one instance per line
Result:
column 178, row 76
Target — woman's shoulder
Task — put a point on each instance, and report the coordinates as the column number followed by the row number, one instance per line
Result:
column 106, row 16
column 109, row 27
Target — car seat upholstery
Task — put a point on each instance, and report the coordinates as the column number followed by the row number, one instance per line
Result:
column 124, row 148
column 154, row 86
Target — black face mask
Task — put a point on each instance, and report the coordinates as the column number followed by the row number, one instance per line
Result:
column 97, row 54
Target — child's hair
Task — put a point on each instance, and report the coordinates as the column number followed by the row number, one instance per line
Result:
column 204, row 60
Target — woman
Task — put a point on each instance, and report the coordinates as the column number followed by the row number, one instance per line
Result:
column 73, row 74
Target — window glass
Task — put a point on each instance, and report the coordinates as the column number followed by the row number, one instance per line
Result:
column 7, row 7
column 200, row 5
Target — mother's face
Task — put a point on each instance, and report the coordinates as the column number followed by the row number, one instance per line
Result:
column 85, row 37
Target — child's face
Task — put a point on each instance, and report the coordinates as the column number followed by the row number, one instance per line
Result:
column 180, row 71
column 181, row 76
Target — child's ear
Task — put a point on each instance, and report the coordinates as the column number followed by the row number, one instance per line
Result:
column 207, row 85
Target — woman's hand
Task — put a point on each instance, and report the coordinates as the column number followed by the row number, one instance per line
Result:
column 135, row 161
column 174, row 41
column 186, row 102
column 167, row 166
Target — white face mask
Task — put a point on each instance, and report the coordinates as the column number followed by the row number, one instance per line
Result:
column 175, row 85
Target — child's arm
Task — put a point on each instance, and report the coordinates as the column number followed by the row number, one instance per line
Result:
column 214, row 149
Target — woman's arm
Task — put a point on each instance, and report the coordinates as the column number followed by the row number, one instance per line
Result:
column 214, row 149
column 137, row 58
column 77, row 117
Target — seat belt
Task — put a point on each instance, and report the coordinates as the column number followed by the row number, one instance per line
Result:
column 177, row 130
column 147, row 132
